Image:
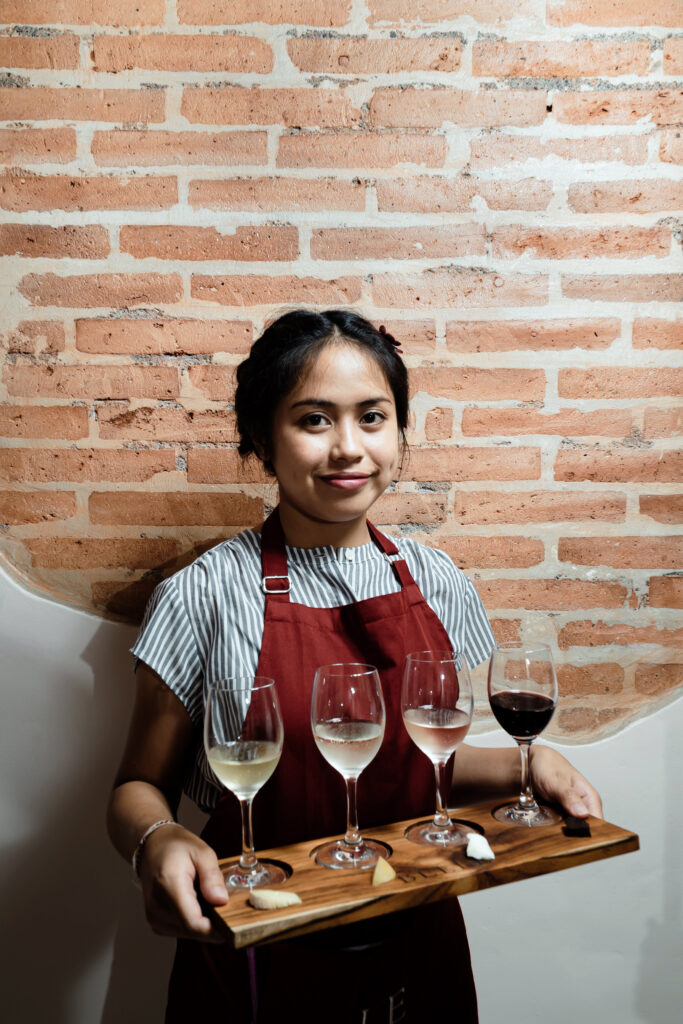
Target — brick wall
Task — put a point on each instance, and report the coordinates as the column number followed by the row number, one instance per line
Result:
column 496, row 180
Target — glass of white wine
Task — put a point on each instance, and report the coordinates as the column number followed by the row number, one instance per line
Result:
column 347, row 719
column 437, row 704
column 243, row 736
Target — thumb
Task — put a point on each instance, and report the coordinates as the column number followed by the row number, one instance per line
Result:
column 210, row 878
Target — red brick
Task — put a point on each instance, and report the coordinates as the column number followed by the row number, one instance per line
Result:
column 654, row 680
column 589, row 680
column 511, row 335
column 673, row 55
column 415, row 336
column 665, row 508
column 59, row 51
column 439, row 424
column 459, row 287
column 663, row 422
column 619, row 466
column 486, row 507
column 666, row 592
column 588, row 633
column 354, row 55
column 222, row 466
column 83, row 464
column 97, row 381
column 491, row 12
column 550, row 595
column 119, row 422
column 566, row 422
column 623, row 552
column 278, row 194
column 432, row 108
column 230, row 54
column 259, row 290
column 589, row 721
column 118, row 13
column 613, row 13
column 472, row 464
column 424, row 242
column 501, row 150
column 479, row 384
column 19, row 146
column 578, row 243
column 259, row 243
column 67, row 423
column 158, row 337
column 646, row 196
column 671, row 147
column 40, row 240
column 42, row 103
column 361, row 149
column 156, row 148
column 493, row 552
column 22, row 191
column 397, row 508
column 101, row 289
column 35, row 337
column 289, row 12
column 649, row 333
column 457, row 195
column 623, row 287
column 20, row 507
column 624, row 106
column 125, row 599
column 173, row 508
column 112, row 553
column 217, row 383
column 620, row 382
column 505, row 631
column 558, row 59
column 294, row 108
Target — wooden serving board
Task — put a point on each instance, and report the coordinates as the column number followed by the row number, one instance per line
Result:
column 331, row 898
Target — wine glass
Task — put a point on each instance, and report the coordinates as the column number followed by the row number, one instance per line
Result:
column 437, row 704
column 523, row 696
column 243, row 736
column 347, row 719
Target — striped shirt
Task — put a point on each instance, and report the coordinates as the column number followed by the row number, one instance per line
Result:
column 206, row 621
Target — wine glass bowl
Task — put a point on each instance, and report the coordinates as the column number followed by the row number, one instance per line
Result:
column 522, row 688
column 437, row 705
column 347, row 720
column 243, row 736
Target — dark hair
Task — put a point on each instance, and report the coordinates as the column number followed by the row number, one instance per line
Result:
column 280, row 357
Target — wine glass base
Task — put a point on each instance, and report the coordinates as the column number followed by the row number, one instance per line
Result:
column 344, row 857
column 532, row 817
column 427, row 833
column 263, row 874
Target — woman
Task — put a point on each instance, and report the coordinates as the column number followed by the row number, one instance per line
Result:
column 322, row 400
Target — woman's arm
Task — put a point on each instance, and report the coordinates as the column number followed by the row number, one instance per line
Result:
column 174, row 863
column 484, row 773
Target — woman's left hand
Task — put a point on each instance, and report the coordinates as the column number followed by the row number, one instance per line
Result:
column 556, row 780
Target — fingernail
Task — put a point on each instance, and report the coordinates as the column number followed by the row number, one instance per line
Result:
column 578, row 809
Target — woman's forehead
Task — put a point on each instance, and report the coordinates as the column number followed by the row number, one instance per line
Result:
column 339, row 368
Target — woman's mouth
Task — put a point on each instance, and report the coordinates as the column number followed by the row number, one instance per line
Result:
column 346, row 481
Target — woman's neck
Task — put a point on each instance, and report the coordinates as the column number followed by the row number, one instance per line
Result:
column 302, row 531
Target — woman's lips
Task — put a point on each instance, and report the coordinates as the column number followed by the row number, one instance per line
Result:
column 346, row 483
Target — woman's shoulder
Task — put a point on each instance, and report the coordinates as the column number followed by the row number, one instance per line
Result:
column 432, row 561
column 231, row 559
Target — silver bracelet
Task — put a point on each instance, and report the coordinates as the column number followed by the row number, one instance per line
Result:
column 135, row 860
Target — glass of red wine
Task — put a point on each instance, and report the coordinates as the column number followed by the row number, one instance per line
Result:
column 523, row 696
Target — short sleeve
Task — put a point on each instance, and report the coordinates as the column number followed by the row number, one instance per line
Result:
column 168, row 644
column 479, row 640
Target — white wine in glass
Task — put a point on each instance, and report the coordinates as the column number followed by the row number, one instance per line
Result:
column 347, row 719
column 437, row 704
column 243, row 737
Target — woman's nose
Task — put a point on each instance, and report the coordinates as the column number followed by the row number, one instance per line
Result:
column 346, row 443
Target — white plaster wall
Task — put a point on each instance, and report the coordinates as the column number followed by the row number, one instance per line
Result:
column 600, row 943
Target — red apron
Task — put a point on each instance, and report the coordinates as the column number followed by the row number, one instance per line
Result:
column 405, row 961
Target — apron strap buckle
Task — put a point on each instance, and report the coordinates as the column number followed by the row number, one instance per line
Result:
column 277, row 589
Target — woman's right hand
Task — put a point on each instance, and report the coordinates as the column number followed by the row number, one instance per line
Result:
column 176, row 868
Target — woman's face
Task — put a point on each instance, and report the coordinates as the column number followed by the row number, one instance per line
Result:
column 335, row 444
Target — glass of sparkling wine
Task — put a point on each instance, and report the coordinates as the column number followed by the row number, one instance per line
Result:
column 243, row 737
column 437, row 705
column 523, row 696
column 347, row 719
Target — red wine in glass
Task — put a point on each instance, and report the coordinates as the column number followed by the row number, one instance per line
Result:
column 522, row 715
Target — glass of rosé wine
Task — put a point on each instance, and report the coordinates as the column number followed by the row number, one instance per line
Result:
column 437, row 704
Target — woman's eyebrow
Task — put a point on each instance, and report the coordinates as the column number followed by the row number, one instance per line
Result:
column 330, row 405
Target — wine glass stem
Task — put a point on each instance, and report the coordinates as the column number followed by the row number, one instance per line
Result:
column 526, row 796
column 442, row 792
column 352, row 836
column 248, row 858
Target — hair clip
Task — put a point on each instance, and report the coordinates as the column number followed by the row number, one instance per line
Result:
column 390, row 338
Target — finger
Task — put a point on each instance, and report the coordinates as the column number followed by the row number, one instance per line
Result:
column 210, row 878
column 581, row 799
column 175, row 910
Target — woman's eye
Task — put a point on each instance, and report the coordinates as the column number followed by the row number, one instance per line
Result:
column 373, row 418
column 314, row 419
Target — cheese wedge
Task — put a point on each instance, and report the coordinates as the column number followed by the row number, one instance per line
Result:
column 478, row 847
column 383, row 872
column 272, row 899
